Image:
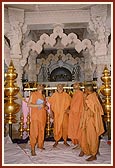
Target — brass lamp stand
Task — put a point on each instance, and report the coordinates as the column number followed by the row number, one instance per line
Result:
column 10, row 91
column 22, row 129
column 106, row 92
column 48, row 129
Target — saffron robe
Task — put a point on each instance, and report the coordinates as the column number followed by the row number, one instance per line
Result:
column 60, row 102
column 76, row 109
column 91, row 125
column 38, row 121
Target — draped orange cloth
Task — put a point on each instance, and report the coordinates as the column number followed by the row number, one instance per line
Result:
column 38, row 122
column 76, row 109
column 59, row 103
column 91, row 125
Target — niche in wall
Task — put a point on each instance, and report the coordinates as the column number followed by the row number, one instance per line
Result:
column 60, row 74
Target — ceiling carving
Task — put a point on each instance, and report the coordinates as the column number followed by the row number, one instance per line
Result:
column 38, row 33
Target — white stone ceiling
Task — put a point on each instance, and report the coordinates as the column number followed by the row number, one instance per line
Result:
column 33, row 7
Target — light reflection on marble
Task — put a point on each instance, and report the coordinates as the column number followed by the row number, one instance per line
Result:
column 15, row 154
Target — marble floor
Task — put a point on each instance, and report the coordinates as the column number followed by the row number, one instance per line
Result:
column 20, row 154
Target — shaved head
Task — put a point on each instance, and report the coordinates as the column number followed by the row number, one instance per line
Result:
column 89, row 88
column 60, row 88
column 76, row 85
column 40, row 87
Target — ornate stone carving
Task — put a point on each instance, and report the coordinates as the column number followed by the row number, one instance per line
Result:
column 19, row 70
column 32, row 66
column 59, row 17
column 97, row 25
column 58, row 31
column 100, row 48
column 15, row 33
column 51, row 40
column 59, row 60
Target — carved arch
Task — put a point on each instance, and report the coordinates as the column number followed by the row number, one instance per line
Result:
column 51, row 40
column 54, row 61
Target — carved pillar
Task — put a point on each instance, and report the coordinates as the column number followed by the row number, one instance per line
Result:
column 19, row 70
column 99, row 32
column 98, row 26
column 16, row 19
column 25, row 47
column 32, row 66
column 15, row 36
column 88, row 75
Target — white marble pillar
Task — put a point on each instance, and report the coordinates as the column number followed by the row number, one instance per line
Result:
column 32, row 66
column 97, row 26
column 15, row 34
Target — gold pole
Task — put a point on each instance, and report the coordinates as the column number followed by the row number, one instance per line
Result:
column 10, row 91
column 106, row 92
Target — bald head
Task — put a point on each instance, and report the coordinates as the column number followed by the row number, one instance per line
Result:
column 60, row 88
column 40, row 87
column 89, row 88
column 76, row 86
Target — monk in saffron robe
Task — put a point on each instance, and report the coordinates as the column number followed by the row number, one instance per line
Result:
column 38, row 119
column 60, row 103
column 91, row 124
column 76, row 109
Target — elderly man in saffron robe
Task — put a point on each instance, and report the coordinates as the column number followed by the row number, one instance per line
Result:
column 91, row 124
column 38, row 119
column 60, row 103
column 76, row 109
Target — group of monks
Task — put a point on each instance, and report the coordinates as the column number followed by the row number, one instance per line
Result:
column 78, row 118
